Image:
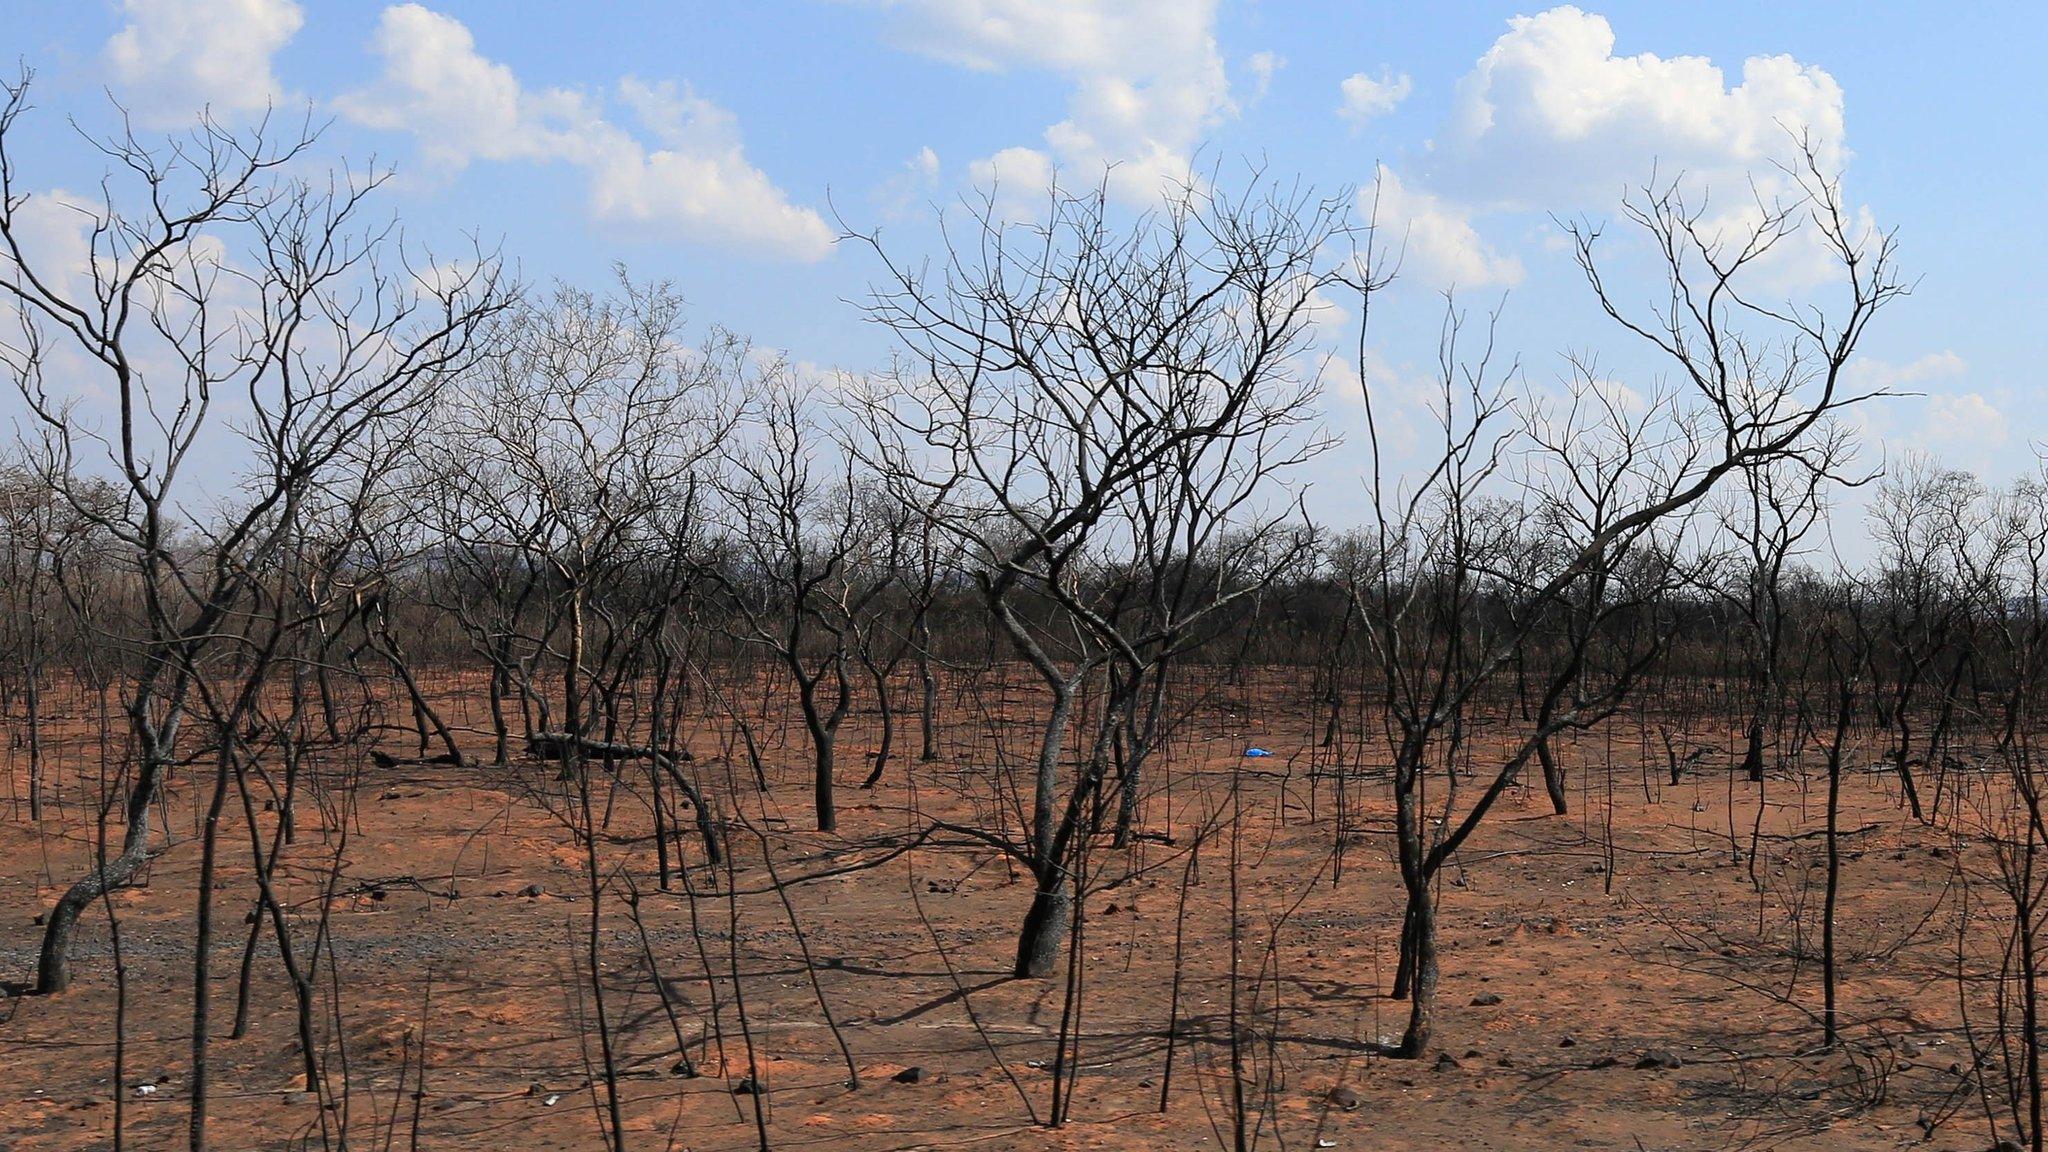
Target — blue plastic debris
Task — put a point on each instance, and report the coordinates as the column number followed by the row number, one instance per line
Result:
column 1253, row 752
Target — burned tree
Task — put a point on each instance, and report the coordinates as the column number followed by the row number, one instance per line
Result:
column 1066, row 385
column 1613, row 482
column 233, row 314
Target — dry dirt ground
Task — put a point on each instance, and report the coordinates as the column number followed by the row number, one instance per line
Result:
column 1559, row 974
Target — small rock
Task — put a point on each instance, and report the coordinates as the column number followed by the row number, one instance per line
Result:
column 746, row 1087
column 1909, row 1049
column 1605, row 1061
column 535, row 1089
column 550, row 1100
column 530, row 890
column 914, row 1074
column 1342, row 1097
column 1659, row 1058
column 1485, row 1000
column 684, row 1069
column 1568, row 1042
column 1505, row 1061
column 1445, row 1062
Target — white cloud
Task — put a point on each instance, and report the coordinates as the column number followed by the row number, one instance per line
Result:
column 700, row 185
column 55, row 229
column 1967, row 417
column 174, row 57
column 1018, row 175
column 1263, row 65
column 1551, row 118
column 696, row 183
column 1365, row 97
column 1438, row 243
column 1866, row 373
column 459, row 105
column 1147, row 79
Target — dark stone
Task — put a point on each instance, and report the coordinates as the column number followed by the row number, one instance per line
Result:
column 746, row 1087
column 530, row 890
column 1485, row 1000
column 914, row 1074
column 1605, row 1061
column 1342, row 1097
column 1567, row 1042
column 1659, row 1058
column 1445, row 1062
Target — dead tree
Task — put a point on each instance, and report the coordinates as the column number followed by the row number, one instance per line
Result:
column 326, row 335
column 1758, row 383
column 808, row 562
column 1054, row 370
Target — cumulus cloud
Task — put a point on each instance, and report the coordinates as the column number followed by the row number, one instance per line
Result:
column 1553, row 119
column 1146, row 78
column 463, row 107
column 1438, row 243
column 1365, row 97
column 54, row 229
column 1869, row 374
column 694, row 182
column 175, row 57
column 1965, row 417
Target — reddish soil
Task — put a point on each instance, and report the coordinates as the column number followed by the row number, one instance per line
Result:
column 1558, row 977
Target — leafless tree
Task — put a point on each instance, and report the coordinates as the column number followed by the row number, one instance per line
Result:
column 1056, row 375
column 1612, row 480
column 810, row 558
column 225, row 306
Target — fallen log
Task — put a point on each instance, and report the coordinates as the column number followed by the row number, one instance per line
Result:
column 556, row 746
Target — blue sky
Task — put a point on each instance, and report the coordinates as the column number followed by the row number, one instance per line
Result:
column 711, row 144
